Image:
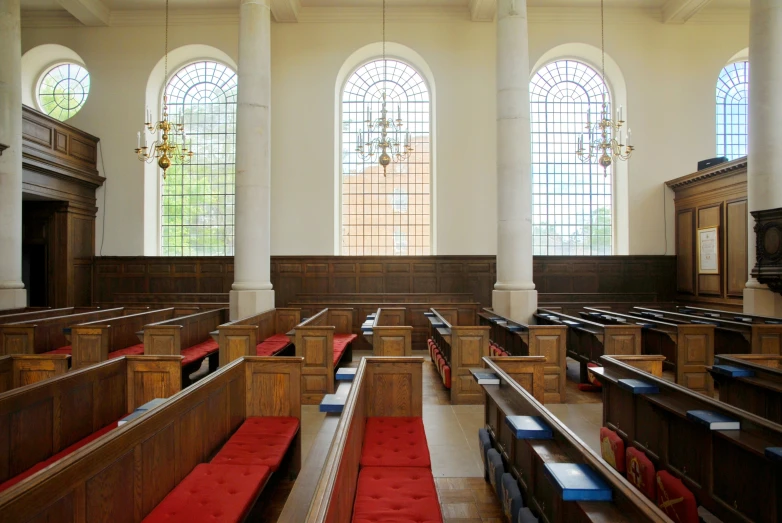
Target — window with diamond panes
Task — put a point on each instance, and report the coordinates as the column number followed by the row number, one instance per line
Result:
column 572, row 206
column 732, row 110
column 391, row 214
column 198, row 196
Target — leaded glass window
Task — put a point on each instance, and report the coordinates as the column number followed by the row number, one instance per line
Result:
column 198, row 197
column 63, row 90
column 391, row 214
column 733, row 110
column 572, row 206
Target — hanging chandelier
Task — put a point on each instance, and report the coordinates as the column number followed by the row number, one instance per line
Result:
column 384, row 134
column 164, row 148
column 604, row 136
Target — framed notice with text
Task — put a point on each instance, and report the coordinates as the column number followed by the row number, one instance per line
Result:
column 709, row 250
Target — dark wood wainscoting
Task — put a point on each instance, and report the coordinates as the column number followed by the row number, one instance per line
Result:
column 626, row 278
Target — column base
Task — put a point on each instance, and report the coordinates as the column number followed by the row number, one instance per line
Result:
column 517, row 305
column 762, row 302
column 249, row 303
column 13, row 298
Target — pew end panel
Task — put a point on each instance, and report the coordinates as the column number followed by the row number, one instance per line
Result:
column 394, row 387
column 622, row 339
column 18, row 370
column 550, row 341
column 316, row 345
column 150, row 377
column 695, row 352
column 527, row 371
column 766, row 339
column 392, row 341
column 341, row 319
column 90, row 344
column 651, row 363
column 236, row 341
column 469, row 345
column 17, row 339
column 163, row 340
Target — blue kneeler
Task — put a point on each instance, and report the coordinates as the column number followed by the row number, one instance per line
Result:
column 346, row 373
column 637, row 386
column 732, row 371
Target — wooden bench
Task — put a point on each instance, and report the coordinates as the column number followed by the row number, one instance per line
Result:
column 323, row 340
column 756, row 388
column 389, row 334
column 727, row 315
column 730, row 337
column 35, row 313
column 588, row 340
column 42, row 335
column 728, row 471
column 50, row 419
column 100, row 340
column 188, row 336
column 414, row 315
column 365, row 475
column 263, row 334
column 526, row 459
column 461, row 347
column 386, row 297
column 156, row 298
column 18, row 370
column 519, row 339
column 145, row 464
column 688, row 348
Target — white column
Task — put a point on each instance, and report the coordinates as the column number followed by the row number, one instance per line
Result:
column 764, row 167
column 514, row 293
column 12, row 293
column 252, row 289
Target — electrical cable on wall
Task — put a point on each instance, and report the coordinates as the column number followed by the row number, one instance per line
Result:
column 665, row 222
column 105, row 183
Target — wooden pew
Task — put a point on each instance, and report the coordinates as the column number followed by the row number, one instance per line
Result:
column 760, row 393
column 728, row 471
column 188, row 336
column 19, row 315
column 462, row 346
column 314, row 340
column 688, row 348
column 386, row 297
column 588, row 340
column 727, row 315
column 42, row 335
column 525, row 460
column 414, row 314
column 41, row 420
column 125, row 474
column 520, row 339
column 242, row 337
column 156, row 298
column 730, row 337
column 390, row 336
column 18, row 370
column 96, row 341
column 382, row 387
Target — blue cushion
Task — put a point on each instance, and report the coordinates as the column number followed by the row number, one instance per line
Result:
column 485, row 442
column 496, row 470
column 511, row 499
column 526, row 516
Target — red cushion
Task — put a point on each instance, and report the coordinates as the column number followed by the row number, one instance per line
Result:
column 447, row 376
column 675, row 499
column 341, row 342
column 133, row 350
column 262, row 442
column 395, row 442
column 212, row 493
column 612, row 448
column 591, row 377
column 199, row 352
column 396, row 494
column 43, row 464
column 272, row 345
column 640, row 471
column 62, row 350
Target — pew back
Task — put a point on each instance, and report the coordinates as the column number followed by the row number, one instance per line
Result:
column 390, row 335
column 174, row 335
column 17, row 316
column 760, row 393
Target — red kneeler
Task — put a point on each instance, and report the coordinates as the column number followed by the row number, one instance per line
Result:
column 612, row 449
column 675, row 499
column 640, row 472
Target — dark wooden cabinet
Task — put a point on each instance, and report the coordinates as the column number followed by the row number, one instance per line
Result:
column 768, row 248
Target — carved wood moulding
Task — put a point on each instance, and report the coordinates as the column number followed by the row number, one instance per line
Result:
column 3, row 147
column 768, row 248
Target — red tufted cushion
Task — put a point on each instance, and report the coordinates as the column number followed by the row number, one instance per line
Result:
column 447, row 376
column 341, row 342
column 62, row 350
column 199, row 352
column 212, row 493
column 57, row 457
column 272, row 345
column 640, row 471
column 261, row 442
column 396, row 494
column 675, row 499
column 612, row 448
column 133, row 350
column 395, row 442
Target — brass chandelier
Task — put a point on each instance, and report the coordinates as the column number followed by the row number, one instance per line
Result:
column 386, row 143
column 163, row 148
column 604, row 136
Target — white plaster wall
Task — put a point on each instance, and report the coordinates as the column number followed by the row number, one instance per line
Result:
column 670, row 72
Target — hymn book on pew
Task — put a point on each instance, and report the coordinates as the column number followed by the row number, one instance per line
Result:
column 485, row 377
column 713, row 420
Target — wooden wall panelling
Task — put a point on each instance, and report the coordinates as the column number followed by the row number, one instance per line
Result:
column 736, row 256
column 685, row 249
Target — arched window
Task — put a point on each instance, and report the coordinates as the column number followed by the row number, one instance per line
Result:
column 198, row 197
column 732, row 110
column 572, row 206
column 63, row 89
column 391, row 214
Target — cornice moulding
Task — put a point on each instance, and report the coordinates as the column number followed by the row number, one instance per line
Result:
column 719, row 170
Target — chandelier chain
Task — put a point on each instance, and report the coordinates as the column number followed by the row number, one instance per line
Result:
column 602, row 43
column 385, row 62
column 166, row 44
